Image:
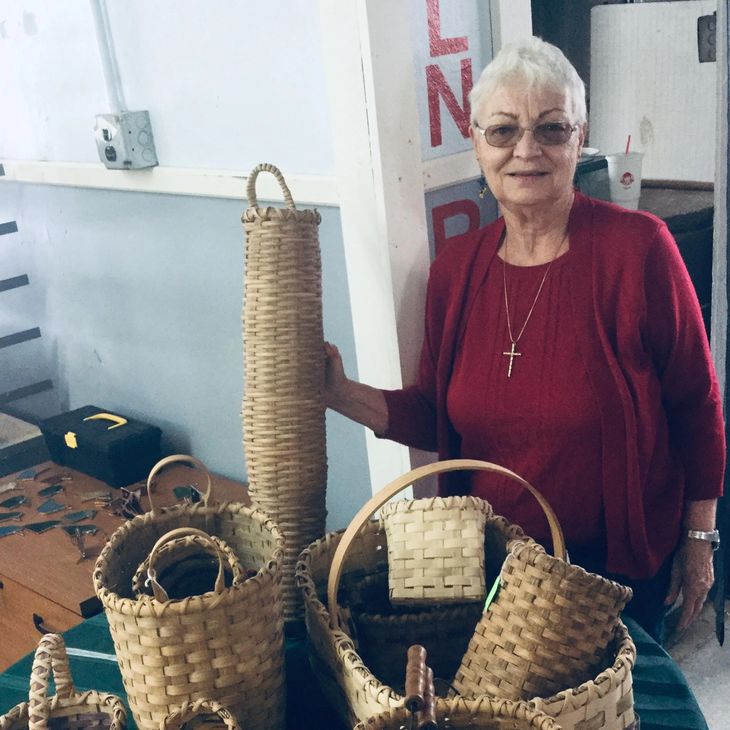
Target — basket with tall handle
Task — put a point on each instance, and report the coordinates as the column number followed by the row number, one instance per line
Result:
column 68, row 709
column 360, row 691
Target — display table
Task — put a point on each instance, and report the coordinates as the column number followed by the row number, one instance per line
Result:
column 663, row 698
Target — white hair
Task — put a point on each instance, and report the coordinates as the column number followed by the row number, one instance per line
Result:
column 535, row 64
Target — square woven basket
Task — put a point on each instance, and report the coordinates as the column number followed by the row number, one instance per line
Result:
column 436, row 549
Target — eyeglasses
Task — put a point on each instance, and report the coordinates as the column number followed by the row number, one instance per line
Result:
column 546, row 133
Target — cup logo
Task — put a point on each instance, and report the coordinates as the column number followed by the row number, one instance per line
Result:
column 627, row 179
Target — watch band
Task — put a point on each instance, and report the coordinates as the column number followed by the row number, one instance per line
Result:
column 712, row 536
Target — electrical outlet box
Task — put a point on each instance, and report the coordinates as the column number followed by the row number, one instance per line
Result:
column 707, row 38
column 125, row 140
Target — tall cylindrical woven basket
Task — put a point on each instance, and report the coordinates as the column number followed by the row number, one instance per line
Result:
column 283, row 405
column 225, row 645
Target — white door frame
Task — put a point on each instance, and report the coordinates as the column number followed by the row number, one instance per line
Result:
column 381, row 180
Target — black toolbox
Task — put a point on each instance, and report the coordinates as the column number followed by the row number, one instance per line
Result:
column 105, row 445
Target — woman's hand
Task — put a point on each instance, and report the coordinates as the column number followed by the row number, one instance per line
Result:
column 692, row 576
column 335, row 380
column 357, row 401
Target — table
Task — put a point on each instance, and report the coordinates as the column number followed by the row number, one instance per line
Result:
column 663, row 699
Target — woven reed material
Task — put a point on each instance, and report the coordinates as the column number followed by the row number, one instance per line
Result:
column 67, row 709
column 483, row 713
column 200, row 715
column 607, row 700
column 547, row 629
column 283, row 404
column 227, row 647
column 180, row 559
column 360, row 669
column 436, row 549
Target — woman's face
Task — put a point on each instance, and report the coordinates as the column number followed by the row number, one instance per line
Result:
column 529, row 173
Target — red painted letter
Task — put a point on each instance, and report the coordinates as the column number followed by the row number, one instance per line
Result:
column 437, row 45
column 438, row 87
column 441, row 213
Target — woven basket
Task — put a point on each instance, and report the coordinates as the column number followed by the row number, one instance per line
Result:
column 67, row 709
column 547, row 629
column 178, row 558
column 607, row 700
column 485, row 713
column 436, row 550
column 283, row 403
column 421, row 709
column 225, row 646
column 360, row 663
column 200, row 715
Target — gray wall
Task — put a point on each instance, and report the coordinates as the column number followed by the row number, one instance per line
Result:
column 139, row 299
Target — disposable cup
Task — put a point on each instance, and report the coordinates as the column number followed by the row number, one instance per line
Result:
column 624, row 178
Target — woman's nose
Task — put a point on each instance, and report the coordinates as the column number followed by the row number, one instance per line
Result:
column 527, row 146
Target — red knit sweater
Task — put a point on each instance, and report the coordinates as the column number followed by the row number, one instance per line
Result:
column 641, row 337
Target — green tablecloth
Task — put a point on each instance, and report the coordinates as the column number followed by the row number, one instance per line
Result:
column 663, row 699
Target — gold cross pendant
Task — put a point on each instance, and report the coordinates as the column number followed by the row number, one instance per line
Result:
column 512, row 354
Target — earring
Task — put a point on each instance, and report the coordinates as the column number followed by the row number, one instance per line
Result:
column 484, row 188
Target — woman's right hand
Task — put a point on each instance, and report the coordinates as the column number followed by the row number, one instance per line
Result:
column 335, row 380
column 357, row 401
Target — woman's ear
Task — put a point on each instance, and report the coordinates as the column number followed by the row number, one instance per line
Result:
column 582, row 136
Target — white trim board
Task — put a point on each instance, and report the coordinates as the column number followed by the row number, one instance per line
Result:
column 305, row 189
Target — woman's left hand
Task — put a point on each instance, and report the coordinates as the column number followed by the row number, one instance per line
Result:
column 692, row 576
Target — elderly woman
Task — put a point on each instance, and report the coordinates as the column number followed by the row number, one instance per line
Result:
column 565, row 342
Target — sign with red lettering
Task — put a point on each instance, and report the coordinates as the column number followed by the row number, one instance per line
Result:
column 452, row 42
column 456, row 210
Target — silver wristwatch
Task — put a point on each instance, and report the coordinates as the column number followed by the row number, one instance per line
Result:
column 713, row 536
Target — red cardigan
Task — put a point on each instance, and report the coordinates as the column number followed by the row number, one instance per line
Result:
column 644, row 344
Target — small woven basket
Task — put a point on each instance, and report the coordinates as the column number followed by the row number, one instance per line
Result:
column 436, row 549
column 283, row 403
column 547, row 629
column 226, row 646
column 178, row 558
column 67, row 709
column 200, row 715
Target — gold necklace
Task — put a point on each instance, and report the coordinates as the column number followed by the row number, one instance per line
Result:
column 513, row 353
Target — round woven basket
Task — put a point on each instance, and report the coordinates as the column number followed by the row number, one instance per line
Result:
column 357, row 555
column 174, row 566
column 283, row 403
column 225, row 645
column 67, row 709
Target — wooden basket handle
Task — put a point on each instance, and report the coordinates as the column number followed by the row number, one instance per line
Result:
column 251, row 185
column 159, row 593
column 50, row 660
column 179, row 459
column 398, row 485
column 188, row 710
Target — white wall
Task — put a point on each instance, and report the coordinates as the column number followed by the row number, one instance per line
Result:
column 228, row 83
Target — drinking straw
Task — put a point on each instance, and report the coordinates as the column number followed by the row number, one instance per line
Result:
column 628, row 144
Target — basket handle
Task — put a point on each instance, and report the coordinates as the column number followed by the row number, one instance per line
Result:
column 159, row 593
column 178, row 459
column 188, row 710
column 398, row 485
column 251, row 185
column 50, row 660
